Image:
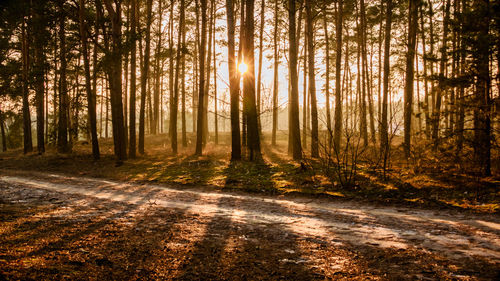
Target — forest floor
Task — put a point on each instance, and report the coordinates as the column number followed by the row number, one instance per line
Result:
column 182, row 217
column 62, row 227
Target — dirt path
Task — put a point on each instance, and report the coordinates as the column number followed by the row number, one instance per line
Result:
column 59, row 226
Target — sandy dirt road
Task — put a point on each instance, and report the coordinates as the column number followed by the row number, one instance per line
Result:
column 62, row 227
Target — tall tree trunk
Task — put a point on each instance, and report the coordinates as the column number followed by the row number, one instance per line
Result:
column 116, row 83
column 305, row 94
column 216, row 124
column 338, row 66
column 196, row 64
column 28, row 142
column 360, row 76
column 275, row 75
column 158, row 74
column 201, row 93
column 384, row 132
column 294, row 83
column 312, row 80
column 482, row 99
column 367, row 81
column 144, row 76
column 441, row 83
column 171, row 64
column 253, row 141
column 183, row 88
column 327, row 78
column 133, row 80
column 244, row 112
column 233, row 84
column 62, row 135
column 211, row 35
column 91, row 98
column 410, row 59
column 38, row 30
column 461, row 92
column 261, row 48
column 428, row 121
column 175, row 104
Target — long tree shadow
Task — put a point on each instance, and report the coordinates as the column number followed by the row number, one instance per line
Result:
column 234, row 248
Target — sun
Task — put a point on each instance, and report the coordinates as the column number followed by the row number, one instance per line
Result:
column 242, row 68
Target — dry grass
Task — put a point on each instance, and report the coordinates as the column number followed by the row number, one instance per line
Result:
column 276, row 174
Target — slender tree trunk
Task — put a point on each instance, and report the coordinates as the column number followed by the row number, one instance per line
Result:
column 360, row 76
column 253, row 141
column 410, row 59
column 183, row 87
column 171, row 65
column 28, row 142
column 275, row 75
column 461, row 92
column 338, row 66
column 133, row 81
column 327, row 78
column 367, row 81
column 482, row 99
column 196, row 64
column 428, row 121
column 116, row 83
column 384, row 132
column 312, row 80
column 158, row 74
column 144, row 76
column 261, row 48
column 201, row 93
column 233, row 84
column 175, row 103
column 39, row 57
column 216, row 124
column 305, row 94
column 62, row 136
column 294, row 93
column 441, row 83
column 91, row 98
column 211, row 35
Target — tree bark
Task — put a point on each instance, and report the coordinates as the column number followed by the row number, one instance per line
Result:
column 175, row 103
column 62, row 135
column 133, row 81
column 201, row 93
column 233, row 84
column 294, row 84
column 115, row 73
column 482, row 99
column 253, row 141
column 275, row 75
column 327, row 78
column 38, row 34
column 312, row 80
column 144, row 76
column 28, row 142
column 91, row 99
column 410, row 59
column 384, row 131
column 338, row 66
column 441, row 83
column 261, row 48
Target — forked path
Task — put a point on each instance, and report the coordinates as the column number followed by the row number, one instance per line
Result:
column 291, row 238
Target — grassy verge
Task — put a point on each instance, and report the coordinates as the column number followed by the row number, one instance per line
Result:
column 276, row 174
